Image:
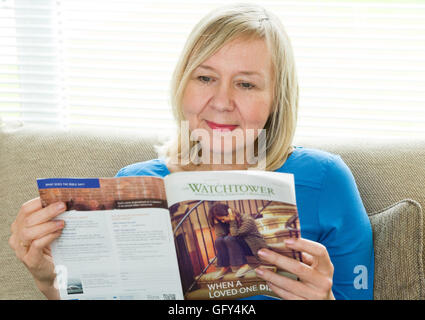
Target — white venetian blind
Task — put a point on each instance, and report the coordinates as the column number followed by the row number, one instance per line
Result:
column 361, row 64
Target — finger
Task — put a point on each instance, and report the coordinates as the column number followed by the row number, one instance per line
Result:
column 19, row 246
column 29, row 207
column 30, row 234
column 35, row 253
column 288, row 264
column 303, row 271
column 26, row 209
column 14, row 244
column 317, row 250
column 289, row 285
column 307, row 258
column 45, row 214
column 38, row 245
column 283, row 293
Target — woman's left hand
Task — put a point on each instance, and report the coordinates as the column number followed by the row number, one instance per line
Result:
column 315, row 272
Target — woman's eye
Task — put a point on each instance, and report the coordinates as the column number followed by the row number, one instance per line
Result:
column 246, row 85
column 204, row 79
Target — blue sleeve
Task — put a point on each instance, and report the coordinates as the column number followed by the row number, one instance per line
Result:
column 153, row 168
column 120, row 173
column 346, row 233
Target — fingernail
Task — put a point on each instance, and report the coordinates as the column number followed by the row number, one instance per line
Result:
column 60, row 206
column 263, row 253
column 60, row 223
column 259, row 272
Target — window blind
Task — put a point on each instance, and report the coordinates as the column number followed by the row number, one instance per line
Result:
column 361, row 64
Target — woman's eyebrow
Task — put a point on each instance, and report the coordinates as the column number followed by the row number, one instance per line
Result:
column 248, row 73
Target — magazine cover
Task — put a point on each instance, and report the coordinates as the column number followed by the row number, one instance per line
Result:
column 219, row 231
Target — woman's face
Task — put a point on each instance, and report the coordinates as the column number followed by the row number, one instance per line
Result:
column 230, row 92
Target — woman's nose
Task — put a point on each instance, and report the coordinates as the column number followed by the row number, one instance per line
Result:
column 223, row 98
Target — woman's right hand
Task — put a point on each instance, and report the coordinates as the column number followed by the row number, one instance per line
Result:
column 32, row 232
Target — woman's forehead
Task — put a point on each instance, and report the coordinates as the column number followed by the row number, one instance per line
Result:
column 249, row 57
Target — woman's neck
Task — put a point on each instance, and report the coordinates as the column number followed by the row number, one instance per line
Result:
column 205, row 167
column 219, row 167
column 175, row 167
column 209, row 164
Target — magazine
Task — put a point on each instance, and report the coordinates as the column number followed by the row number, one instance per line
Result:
column 190, row 235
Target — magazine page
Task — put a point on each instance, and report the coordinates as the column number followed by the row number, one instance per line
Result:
column 220, row 220
column 117, row 242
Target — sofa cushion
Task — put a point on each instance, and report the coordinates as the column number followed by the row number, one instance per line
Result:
column 386, row 170
column 399, row 269
column 31, row 152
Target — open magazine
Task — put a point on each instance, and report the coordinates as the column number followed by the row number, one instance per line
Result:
column 190, row 235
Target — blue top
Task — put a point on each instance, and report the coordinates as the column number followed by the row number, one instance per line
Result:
column 330, row 210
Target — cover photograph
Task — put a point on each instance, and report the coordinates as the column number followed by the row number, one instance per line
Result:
column 217, row 253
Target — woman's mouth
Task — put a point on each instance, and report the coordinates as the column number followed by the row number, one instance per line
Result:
column 220, row 126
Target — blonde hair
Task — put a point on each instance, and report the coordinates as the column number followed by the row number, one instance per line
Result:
column 215, row 30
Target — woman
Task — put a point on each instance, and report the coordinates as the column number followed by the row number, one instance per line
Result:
column 237, row 236
column 237, row 72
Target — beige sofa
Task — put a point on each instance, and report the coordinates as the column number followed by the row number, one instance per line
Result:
column 386, row 172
